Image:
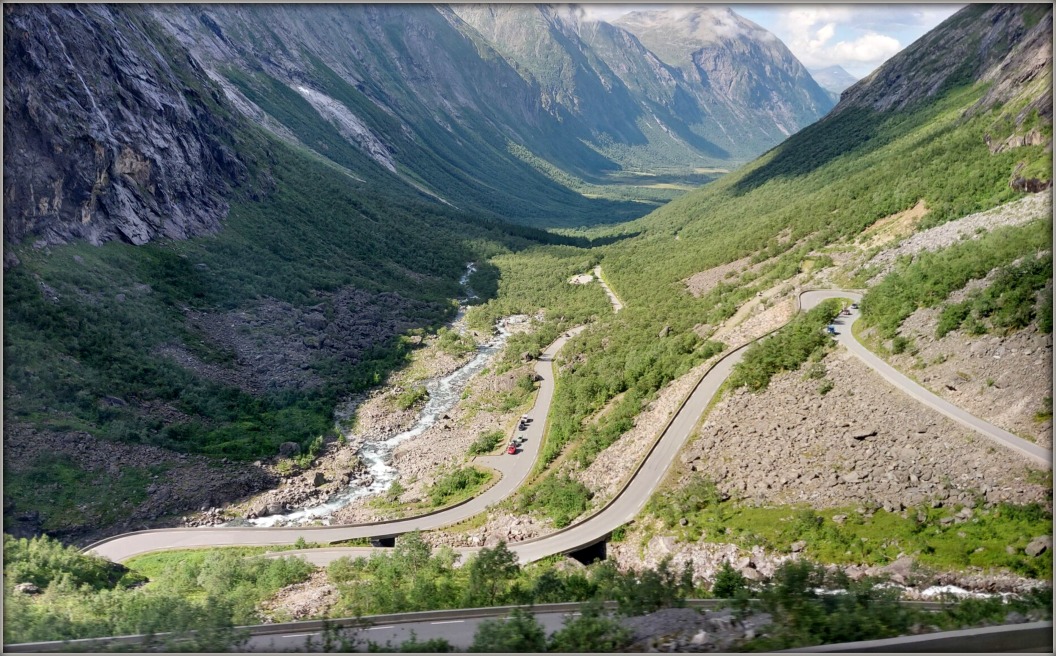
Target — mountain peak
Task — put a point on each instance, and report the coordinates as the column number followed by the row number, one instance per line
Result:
column 676, row 32
column 979, row 43
column 835, row 78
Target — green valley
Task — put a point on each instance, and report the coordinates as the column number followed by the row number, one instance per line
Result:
column 386, row 198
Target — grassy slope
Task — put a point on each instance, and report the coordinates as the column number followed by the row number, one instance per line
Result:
column 315, row 231
column 827, row 183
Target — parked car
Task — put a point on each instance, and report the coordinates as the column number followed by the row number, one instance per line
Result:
column 854, row 306
column 830, row 330
column 512, row 450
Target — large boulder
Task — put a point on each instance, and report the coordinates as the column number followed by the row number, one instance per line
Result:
column 315, row 321
column 274, row 508
column 289, row 449
column 1039, row 545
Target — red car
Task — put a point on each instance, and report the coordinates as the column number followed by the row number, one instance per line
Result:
column 512, row 450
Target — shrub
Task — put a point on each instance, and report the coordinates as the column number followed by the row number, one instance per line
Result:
column 591, row 632
column 520, row 632
column 395, row 491
column 899, row 344
column 696, row 495
column 486, row 442
column 456, row 484
column 558, row 497
column 787, row 349
column 411, row 397
column 728, row 582
column 41, row 560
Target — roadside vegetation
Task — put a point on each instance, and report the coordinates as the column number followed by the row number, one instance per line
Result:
column 942, row 539
column 452, row 486
column 211, row 591
column 805, row 612
column 1010, row 303
column 802, row 339
column 417, row 577
column 486, row 443
column 84, row 596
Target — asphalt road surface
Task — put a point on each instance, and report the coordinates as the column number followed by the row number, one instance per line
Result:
column 845, row 337
column 513, row 468
column 458, row 632
column 619, row 511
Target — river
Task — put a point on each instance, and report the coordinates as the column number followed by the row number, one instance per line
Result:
column 375, row 454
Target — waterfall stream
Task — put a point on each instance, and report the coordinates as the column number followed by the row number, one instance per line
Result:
column 444, row 393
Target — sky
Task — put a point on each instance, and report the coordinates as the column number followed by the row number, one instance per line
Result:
column 857, row 37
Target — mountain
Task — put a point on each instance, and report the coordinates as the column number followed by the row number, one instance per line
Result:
column 102, row 140
column 1011, row 54
column 465, row 99
column 180, row 279
column 750, row 83
column 833, row 78
column 563, row 114
column 348, row 167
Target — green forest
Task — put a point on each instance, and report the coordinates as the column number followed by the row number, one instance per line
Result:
column 213, row 591
column 121, row 342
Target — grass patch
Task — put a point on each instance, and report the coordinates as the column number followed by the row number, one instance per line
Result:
column 411, row 397
column 558, row 497
column 875, row 540
column 457, row 485
column 67, row 495
column 486, row 443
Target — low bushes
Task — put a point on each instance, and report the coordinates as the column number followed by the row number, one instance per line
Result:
column 802, row 339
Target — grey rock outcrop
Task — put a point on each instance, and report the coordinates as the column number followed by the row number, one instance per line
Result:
column 289, row 449
column 108, row 133
column 1013, row 51
column 1039, row 546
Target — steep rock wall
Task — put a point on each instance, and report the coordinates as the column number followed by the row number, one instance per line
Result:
column 112, row 131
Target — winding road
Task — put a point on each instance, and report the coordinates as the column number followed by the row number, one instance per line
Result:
column 514, row 469
column 617, row 304
column 621, row 509
column 915, row 390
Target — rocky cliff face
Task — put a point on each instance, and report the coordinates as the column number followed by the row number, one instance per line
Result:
column 744, row 75
column 833, row 79
column 107, row 135
column 1010, row 45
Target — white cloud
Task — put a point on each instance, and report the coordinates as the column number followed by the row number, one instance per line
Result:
column 848, row 35
column 871, row 49
column 823, row 35
column 857, row 37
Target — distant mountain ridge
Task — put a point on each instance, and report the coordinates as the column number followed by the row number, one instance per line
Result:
column 736, row 69
column 453, row 102
column 833, row 78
